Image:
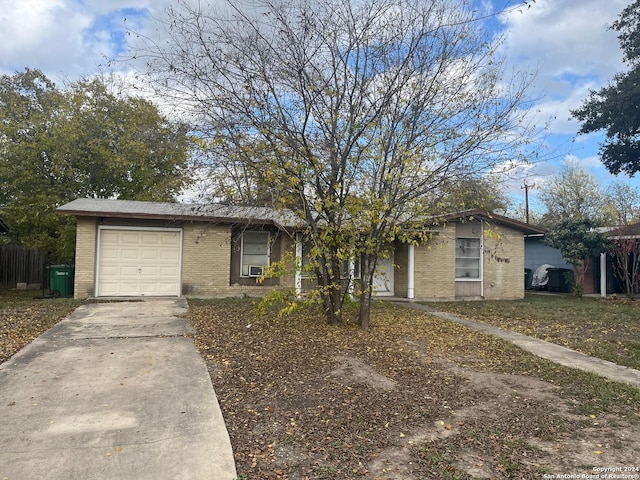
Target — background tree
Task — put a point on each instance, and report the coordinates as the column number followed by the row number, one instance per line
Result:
column 228, row 179
column 365, row 108
column 625, row 259
column 614, row 108
column 573, row 194
column 624, row 253
column 519, row 212
column 471, row 193
column 578, row 241
column 81, row 141
column 623, row 201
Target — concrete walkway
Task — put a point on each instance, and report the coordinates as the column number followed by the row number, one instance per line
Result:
column 115, row 391
column 550, row 351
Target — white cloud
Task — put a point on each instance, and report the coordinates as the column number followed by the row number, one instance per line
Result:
column 513, row 175
column 568, row 36
column 44, row 34
column 570, row 45
column 63, row 38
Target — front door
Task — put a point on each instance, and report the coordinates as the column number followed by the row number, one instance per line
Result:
column 383, row 278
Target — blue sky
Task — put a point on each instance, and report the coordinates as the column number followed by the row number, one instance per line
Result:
column 567, row 42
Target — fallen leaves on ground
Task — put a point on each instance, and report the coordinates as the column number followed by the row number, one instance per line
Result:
column 23, row 319
column 604, row 328
column 296, row 407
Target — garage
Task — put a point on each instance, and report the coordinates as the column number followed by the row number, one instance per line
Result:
column 138, row 261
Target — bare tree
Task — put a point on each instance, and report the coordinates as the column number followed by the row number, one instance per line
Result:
column 573, row 194
column 625, row 259
column 624, row 202
column 353, row 111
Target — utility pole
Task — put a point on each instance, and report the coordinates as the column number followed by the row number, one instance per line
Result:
column 526, row 188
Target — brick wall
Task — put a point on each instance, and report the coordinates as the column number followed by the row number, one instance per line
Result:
column 434, row 266
column 84, row 281
column 206, row 262
column 288, row 255
column 206, row 258
column 503, row 263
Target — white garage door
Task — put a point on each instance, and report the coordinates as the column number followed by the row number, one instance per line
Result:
column 135, row 262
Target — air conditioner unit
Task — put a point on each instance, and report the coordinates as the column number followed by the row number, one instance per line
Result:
column 255, row 271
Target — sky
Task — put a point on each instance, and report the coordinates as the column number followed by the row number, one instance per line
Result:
column 568, row 43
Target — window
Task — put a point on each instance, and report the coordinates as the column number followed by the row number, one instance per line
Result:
column 468, row 258
column 255, row 253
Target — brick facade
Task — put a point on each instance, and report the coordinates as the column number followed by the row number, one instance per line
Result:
column 85, row 266
column 434, row 275
column 503, row 260
column 207, row 259
column 434, row 267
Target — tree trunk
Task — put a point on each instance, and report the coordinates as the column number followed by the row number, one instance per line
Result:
column 367, row 269
column 331, row 294
column 335, row 296
column 580, row 269
column 364, row 314
column 333, row 317
column 626, row 264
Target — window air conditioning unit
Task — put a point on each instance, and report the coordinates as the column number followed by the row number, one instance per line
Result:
column 255, row 271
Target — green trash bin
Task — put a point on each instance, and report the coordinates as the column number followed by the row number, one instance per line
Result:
column 61, row 280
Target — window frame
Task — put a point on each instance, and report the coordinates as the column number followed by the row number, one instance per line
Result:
column 242, row 252
column 468, row 259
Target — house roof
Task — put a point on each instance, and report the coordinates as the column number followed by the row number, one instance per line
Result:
column 100, row 207
column 527, row 228
column 624, row 231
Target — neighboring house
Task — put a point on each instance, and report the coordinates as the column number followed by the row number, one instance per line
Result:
column 536, row 253
column 601, row 277
column 130, row 248
column 538, row 257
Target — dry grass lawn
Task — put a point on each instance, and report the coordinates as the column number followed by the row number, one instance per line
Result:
column 415, row 397
column 604, row 328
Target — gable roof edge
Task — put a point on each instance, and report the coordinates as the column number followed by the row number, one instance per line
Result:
column 527, row 228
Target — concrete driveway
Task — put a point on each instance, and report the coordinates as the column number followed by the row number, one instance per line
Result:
column 115, row 391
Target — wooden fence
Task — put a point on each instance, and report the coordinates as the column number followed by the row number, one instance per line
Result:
column 21, row 265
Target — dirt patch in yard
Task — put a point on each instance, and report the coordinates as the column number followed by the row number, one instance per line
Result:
column 415, row 397
column 354, row 370
column 595, row 442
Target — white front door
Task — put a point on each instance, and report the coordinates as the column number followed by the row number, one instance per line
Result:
column 135, row 262
column 383, row 278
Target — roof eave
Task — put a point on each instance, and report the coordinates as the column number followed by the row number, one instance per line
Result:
column 499, row 219
column 172, row 218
